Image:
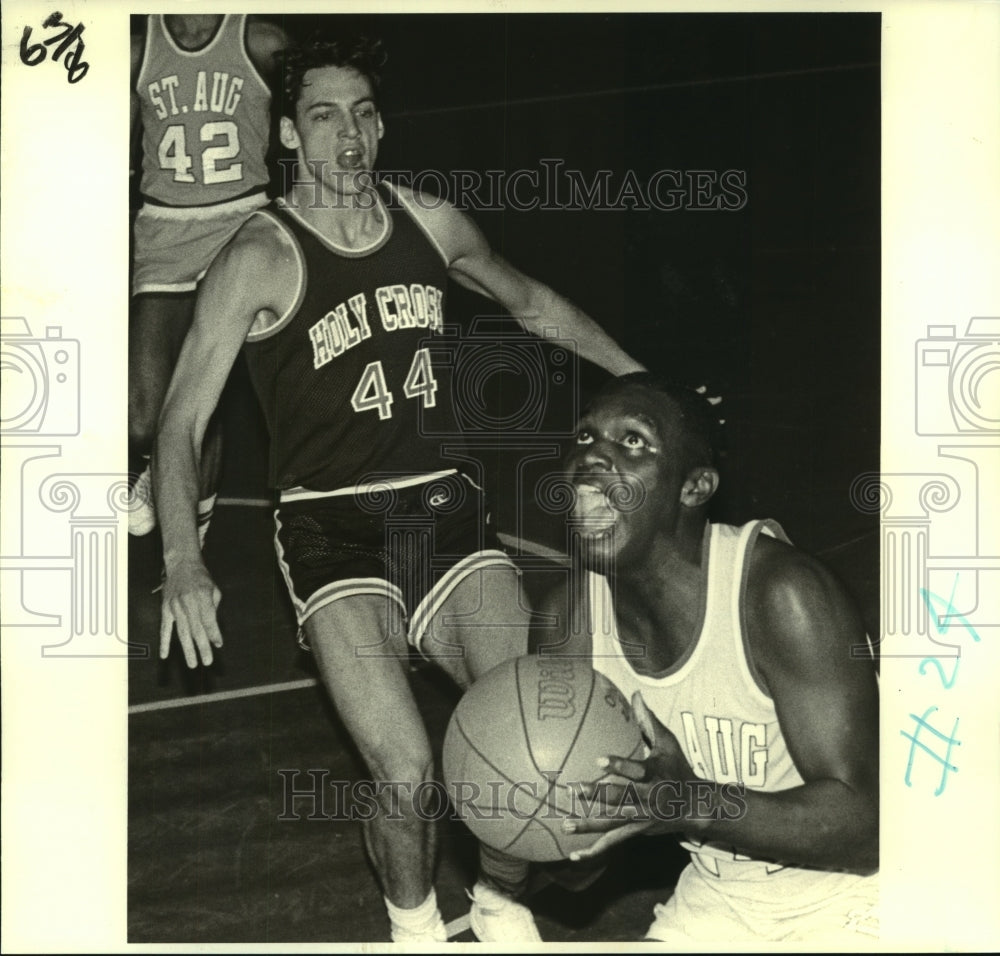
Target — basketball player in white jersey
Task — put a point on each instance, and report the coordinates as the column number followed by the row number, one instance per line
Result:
column 201, row 95
column 748, row 666
column 336, row 340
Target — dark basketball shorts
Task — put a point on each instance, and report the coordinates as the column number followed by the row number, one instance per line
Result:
column 410, row 540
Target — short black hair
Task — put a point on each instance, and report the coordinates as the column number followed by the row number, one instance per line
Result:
column 699, row 416
column 359, row 52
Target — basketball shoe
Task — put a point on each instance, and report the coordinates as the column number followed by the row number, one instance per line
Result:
column 142, row 513
column 421, row 924
column 496, row 918
column 435, row 933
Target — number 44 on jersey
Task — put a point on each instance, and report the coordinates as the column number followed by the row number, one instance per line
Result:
column 372, row 392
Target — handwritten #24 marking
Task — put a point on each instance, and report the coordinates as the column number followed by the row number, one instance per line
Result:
column 942, row 613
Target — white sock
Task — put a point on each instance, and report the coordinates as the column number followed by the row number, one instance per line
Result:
column 206, row 508
column 424, row 919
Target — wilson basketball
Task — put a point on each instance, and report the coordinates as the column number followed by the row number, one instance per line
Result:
column 519, row 740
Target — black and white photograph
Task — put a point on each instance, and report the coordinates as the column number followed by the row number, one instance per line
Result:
column 488, row 452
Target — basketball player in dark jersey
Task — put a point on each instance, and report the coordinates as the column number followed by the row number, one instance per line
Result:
column 334, row 293
column 201, row 97
column 749, row 667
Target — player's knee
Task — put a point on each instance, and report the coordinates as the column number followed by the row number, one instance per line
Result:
column 410, row 767
column 141, row 434
column 399, row 782
column 143, row 414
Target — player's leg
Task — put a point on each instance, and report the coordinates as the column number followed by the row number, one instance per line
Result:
column 481, row 623
column 362, row 662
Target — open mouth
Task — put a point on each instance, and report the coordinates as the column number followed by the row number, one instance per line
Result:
column 592, row 508
column 351, row 158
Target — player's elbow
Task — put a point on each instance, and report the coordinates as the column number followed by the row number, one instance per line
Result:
column 536, row 304
column 180, row 429
column 861, row 846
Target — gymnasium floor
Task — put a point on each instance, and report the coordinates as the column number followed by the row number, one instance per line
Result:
column 777, row 305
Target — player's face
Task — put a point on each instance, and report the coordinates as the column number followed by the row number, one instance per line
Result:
column 337, row 128
column 628, row 471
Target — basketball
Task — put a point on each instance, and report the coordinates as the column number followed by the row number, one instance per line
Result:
column 521, row 738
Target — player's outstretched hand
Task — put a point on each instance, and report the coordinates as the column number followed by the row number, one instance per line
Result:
column 641, row 804
column 190, row 600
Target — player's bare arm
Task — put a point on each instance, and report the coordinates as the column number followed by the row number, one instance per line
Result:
column 229, row 299
column 135, row 65
column 802, row 628
column 473, row 264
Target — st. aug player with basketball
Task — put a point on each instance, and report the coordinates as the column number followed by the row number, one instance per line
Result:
column 335, row 292
column 749, row 666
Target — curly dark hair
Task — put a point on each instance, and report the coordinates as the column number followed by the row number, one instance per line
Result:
column 698, row 412
column 360, row 52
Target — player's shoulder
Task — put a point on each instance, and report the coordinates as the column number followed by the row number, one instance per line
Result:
column 452, row 229
column 137, row 46
column 793, row 598
column 258, row 247
column 426, row 206
column 781, row 573
column 264, row 40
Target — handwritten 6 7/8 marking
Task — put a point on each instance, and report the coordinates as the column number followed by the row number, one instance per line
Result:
column 35, row 53
column 940, row 611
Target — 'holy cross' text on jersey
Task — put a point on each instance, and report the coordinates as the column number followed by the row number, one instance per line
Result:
column 399, row 307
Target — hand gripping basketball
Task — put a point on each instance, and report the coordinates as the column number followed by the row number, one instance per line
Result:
column 633, row 800
column 520, row 743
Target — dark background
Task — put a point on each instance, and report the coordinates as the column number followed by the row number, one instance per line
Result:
column 775, row 306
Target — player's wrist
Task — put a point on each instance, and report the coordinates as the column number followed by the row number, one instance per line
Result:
column 176, row 560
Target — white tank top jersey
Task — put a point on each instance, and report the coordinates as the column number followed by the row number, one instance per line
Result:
column 205, row 117
column 710, row 699
column 728, row 729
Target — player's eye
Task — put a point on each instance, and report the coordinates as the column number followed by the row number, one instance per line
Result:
column 322, row 117
column 366, row 112
column 584, row 437
column 634, row 440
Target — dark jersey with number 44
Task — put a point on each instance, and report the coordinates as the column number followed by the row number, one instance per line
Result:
column 354, row 381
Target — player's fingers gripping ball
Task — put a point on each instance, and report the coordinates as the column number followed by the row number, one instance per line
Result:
column 521, row 741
